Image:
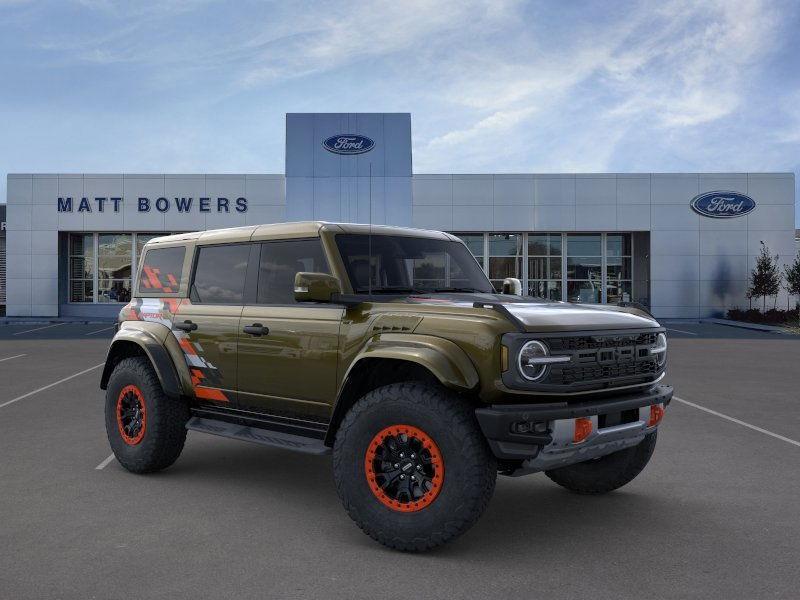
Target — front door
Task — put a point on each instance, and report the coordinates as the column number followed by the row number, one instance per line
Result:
column 288, row 351
column 207, row 326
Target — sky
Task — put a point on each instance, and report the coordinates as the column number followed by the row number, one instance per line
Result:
column 198, row 86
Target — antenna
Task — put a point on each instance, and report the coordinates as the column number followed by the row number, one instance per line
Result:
column 369, row 236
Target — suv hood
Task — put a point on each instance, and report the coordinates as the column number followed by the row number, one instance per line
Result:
column 540, row 315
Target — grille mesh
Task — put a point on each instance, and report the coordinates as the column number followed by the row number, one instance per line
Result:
column 632, row 363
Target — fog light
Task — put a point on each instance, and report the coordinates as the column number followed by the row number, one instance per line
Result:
column 521, row 427
column 656, row 414
column 583, row 429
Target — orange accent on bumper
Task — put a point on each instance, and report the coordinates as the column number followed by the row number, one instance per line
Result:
column 656, row 414
column 583, row 429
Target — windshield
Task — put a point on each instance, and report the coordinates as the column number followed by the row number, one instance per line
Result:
column 402, row 264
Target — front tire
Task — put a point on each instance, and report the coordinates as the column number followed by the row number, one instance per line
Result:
column 608, row 472
column 412, row 467
column 146, row 429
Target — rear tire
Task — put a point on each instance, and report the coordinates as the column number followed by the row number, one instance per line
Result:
column 146, row 429
column 608, row 472
column 454, row 469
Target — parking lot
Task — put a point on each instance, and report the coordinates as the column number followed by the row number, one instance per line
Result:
column 715, row 514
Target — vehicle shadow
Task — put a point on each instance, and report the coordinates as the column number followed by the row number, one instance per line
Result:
column 525, row 515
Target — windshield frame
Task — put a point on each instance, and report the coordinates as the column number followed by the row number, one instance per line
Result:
column 473, row 274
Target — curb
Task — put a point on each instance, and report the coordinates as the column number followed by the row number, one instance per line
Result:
column 746, row 325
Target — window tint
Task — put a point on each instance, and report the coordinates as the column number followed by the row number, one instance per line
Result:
column 409, row 264
column 162, row 270
column 280, row 261
column 220, row 274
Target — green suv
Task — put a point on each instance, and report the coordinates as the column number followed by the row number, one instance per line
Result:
column 390, row 349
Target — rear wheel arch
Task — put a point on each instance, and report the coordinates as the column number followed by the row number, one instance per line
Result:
column 149, row 349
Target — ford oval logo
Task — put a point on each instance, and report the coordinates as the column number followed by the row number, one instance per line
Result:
column 348, row 143
column 723, row 205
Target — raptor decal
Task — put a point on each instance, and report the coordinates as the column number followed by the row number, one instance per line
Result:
column 206, row 378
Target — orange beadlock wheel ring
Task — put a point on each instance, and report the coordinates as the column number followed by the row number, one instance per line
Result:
column 131, row 415
column 404, row 468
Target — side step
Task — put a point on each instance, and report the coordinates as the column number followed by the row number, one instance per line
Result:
column 268, row 437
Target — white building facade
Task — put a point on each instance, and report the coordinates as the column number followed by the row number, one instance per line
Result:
column 683, row 244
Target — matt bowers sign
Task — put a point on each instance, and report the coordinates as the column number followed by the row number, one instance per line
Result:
column 182, row 205
column 348, row 143
column 723, row 205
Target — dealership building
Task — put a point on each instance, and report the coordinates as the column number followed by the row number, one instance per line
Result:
column 682, row 244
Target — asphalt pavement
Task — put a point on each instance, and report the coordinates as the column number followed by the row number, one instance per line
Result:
column 714, row 515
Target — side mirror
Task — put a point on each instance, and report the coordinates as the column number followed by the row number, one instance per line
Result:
column 315, row 287
column 511, row 285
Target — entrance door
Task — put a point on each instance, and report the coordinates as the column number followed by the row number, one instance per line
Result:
column 288, row 351
column 209, row 323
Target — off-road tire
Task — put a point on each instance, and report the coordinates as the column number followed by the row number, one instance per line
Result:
column 608, row 472
column 469, row 467
column 165, row 423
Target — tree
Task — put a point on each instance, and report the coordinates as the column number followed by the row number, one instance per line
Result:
column 765, row 279
column 791, row 275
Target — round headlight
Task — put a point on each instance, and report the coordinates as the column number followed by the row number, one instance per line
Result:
column 527, row 363
column 660, row 349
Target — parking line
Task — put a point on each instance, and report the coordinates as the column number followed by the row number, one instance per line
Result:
column 99, row 330
column 38, row 328
column 104, row 464
column 49, row 385
column 10, row 357
column 681, row 331
column 738, row 422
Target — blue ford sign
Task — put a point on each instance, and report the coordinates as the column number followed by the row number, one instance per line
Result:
column 348, row 143
column 723, row 205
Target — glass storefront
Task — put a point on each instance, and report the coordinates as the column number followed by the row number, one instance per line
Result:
column 573, row 267
column 101, row 265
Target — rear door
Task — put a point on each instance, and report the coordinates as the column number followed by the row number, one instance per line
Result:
column 288, row 351
column 207, row 326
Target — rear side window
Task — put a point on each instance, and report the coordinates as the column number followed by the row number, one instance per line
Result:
column 220, row 274
column 162, row 270
column 281, row 261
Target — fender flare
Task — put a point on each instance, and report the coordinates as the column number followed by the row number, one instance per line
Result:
column 443, row 358
column 156, row 352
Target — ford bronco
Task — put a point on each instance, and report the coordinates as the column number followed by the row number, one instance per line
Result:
column 389, row 349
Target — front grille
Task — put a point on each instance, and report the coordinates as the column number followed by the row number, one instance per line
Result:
column 596, row 342
column 603, row 359
column 571, row 375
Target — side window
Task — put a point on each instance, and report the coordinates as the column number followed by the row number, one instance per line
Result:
column 281, row 261
column 220, row 274
column 162, row 270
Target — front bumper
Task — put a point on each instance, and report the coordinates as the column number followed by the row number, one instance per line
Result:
column 617, row 423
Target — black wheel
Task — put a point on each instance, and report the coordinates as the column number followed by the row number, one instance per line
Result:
column 412, row 467
column 146, row 429
column 608, row 472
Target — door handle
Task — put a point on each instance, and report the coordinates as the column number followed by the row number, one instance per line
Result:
column 185, row 326
column 256, row 329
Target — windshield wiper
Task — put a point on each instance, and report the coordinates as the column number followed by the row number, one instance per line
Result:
column 392, row 289
column 468, row 290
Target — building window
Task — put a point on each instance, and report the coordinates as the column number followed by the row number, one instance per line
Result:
column 584, row 267
column 505, row 258
column 81, row 267
column 101, row 265
column 114, row 267
column 619, row 272
column 545, row 261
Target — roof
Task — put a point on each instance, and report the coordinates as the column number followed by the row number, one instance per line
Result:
column 293, row 230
